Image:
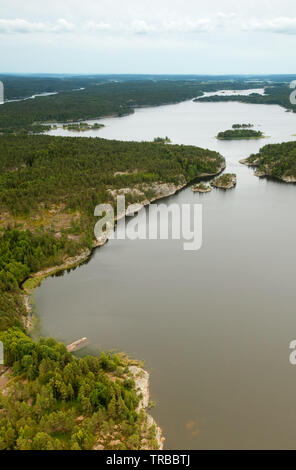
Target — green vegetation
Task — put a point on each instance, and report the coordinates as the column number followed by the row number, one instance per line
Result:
column 78, row 172
column 49, row 187
column 55, row 401
column 276, row 160
column 101, row 97
column 162, row 140
column 82, row 126
column 242, row 126
column 276, row 94
column 240, row 134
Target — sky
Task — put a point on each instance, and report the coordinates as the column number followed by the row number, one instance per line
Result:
column 148, row 36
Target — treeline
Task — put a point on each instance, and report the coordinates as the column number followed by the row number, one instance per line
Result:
column 102, row 99
column 79, row 171
column 20, row 87
column 242, row 126
column 278, row 94
column 277, row 160
column 57, row 402
column 232, row 134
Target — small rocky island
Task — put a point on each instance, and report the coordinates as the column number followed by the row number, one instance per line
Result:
column 225, row 181
column 82, row 126
column 240, row 134
column 201, row 188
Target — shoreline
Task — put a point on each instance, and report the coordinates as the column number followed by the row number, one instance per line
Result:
column 265, row 173
column 140, row 376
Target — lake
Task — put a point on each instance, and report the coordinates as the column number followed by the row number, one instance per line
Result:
column 213, row 326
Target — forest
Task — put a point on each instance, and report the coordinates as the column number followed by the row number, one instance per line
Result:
column 102, row 99
column 233, row 134
column 276, row 94
column 276, row 160
column 49, row 187
column 56, row 401
column 59, row 402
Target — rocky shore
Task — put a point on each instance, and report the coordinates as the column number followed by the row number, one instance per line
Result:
column 141, row 378
column 201, row 188
column 266, row 171
column 225, row 181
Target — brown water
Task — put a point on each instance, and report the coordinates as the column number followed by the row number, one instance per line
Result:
column 212, row 326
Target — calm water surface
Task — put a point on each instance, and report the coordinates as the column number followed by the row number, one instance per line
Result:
column 212, row 326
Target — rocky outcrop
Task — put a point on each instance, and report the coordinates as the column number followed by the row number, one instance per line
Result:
column 80, row 343
column 225, row 181
column 201, row 188
column 266, row 171
column 141, row 378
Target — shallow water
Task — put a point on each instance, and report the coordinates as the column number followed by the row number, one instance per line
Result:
column 213, row 326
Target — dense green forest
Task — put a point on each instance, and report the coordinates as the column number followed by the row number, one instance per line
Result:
column 59, row 402
column 49, row 187
column 79, row 171
column 232, row 134
column 276, row 160
column 101, row 99
column 277, row 94
column 24, row 86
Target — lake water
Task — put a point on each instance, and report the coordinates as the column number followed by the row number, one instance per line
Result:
column 213, row 326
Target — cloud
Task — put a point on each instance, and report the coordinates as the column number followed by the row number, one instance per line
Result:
column 20, row 26
column 92, row 27
column 139, row 26
column 281, row 25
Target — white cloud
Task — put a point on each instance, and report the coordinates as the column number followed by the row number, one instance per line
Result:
column 26, row 27
column 282, row 25
column 93, row 27
column 195, row 25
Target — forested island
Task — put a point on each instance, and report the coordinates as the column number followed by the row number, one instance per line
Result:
column 239, row 134
column 275, row 160
column 82, row 126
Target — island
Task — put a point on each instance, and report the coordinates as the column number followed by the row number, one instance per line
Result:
column 276, row 161
column 162, row 140
column 240, row 134
column 201, row 188
column 242, row 126
column 225, row 181
column 82, row 126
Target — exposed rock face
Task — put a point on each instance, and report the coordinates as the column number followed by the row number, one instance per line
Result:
column 77, row 344
column 267, row 171
column 225, row 181
column 141, row 378
column 201, row 188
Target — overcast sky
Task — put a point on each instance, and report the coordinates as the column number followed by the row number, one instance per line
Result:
column 148, row 36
